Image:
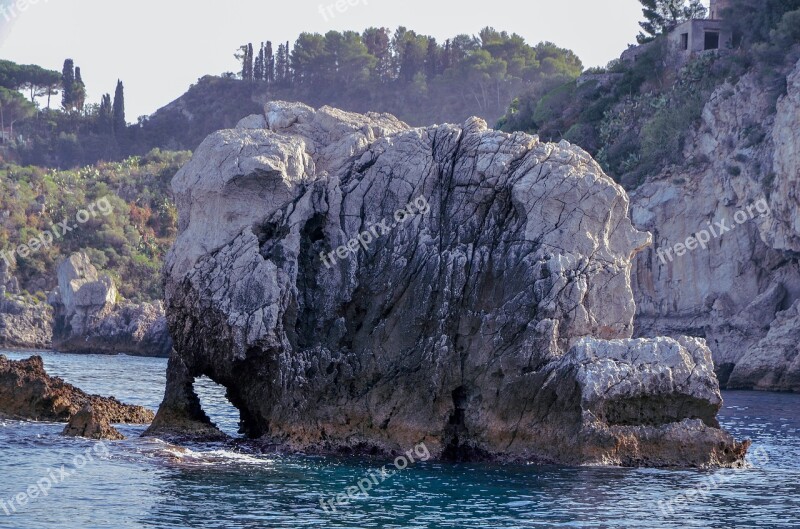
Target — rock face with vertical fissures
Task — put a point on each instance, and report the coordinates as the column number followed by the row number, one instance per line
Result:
column 492, row 320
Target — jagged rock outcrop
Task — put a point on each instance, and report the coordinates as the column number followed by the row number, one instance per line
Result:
column 745, row 154
column 89, row 424
column 88, row 318
column 28, row 392
column 24, row 322
column 359, row 285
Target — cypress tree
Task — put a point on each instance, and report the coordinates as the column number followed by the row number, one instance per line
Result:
column 280, row 65
column 287, row 74
column 78, row 91
column 269, row 64
column 258, row 69
column 105, row 118
column 68, row 85
column 119, row 123
column 248, row 63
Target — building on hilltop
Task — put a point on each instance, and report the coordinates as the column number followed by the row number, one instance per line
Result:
column 694, row 36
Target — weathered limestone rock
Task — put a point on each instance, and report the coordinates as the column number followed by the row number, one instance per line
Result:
column 652, row 402
column 744, row 153
column 491, row 319
column 88, row 424
column 23, row 322
column 28, row 392
column 89, row 319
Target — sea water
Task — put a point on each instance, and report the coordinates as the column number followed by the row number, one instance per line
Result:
column 147, row 483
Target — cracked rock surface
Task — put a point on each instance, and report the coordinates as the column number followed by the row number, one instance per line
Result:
column 492, row 320
column 744, row 153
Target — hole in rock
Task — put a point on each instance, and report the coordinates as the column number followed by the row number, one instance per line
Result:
column 216, row 405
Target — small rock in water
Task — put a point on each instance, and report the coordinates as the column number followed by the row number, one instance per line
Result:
column 87, row 423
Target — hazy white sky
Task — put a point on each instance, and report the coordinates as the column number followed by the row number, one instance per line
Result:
column 159, row 47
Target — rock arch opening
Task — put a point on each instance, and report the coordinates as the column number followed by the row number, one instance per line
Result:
column 215, row 404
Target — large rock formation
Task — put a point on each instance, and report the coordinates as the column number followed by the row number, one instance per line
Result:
column 28, row 392
column 356, row 284
column 740, row 293
column 88, row 318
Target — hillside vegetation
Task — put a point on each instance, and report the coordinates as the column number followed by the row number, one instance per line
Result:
column 131, row 220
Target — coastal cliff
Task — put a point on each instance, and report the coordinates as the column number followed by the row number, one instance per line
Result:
column 359, row 285
column 740, row 290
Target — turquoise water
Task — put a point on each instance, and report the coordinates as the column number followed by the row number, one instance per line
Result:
column 141, row 483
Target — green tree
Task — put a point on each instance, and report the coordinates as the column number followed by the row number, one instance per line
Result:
column 282, row 72
column 410, row 51
column 347, row 59
column 245, row 56
column 78, row 91
column 258, row 68
column 105, row 115
column 432, row 59
column 269, row 63
column 119, row 123
column 13, row 107
column 310, row 60
column 68, row 85
column 378, row 43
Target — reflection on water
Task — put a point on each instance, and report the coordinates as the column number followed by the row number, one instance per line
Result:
column 150, row 483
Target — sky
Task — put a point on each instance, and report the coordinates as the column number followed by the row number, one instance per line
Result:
column 160, row 47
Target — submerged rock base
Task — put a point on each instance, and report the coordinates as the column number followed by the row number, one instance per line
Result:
column 358, row 285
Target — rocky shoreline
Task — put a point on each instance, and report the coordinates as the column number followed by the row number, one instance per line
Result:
column 495, row 323
column 27, row 392
column 82, row 315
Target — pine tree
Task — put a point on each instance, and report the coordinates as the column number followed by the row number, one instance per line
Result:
column 378, row 43
column 118, row 117
column 68, row 85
